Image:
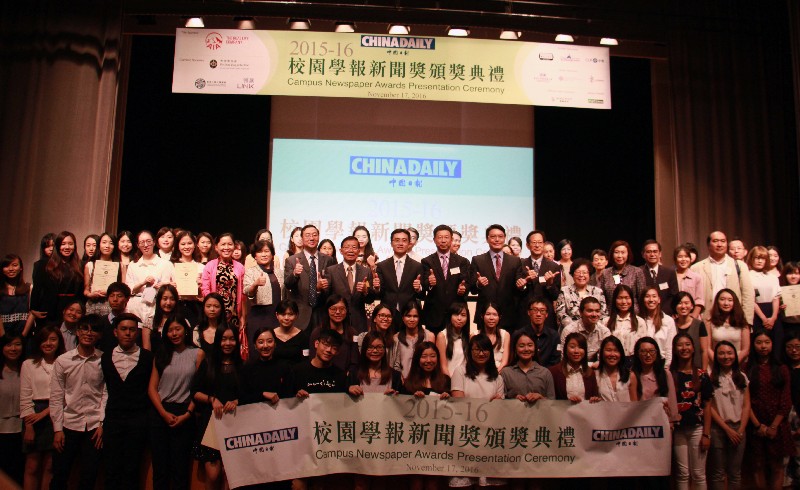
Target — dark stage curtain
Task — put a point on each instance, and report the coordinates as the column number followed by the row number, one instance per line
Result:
column 726, row 135
column 58, row 97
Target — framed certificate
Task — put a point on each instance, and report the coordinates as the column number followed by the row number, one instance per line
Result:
column 105, row 272
column 790, row 295
column 186, row 278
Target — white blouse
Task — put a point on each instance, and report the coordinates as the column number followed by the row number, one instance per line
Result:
column 608, row 392
column 34, row 382
column 480, row 387
column 766, row 286
column 664, row 336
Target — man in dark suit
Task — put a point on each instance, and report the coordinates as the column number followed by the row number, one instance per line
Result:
column 304, row 278
column 543, row 279
column 126, row 369
column 499, row 278
column 445, row 276
column 351, row 281
column 658, row 275
column 399, row 278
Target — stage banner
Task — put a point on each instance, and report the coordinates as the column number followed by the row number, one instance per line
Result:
column 327, row 64
column 399, row 435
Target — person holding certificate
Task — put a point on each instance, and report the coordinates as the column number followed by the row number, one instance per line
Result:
column 188, row 269
column 100, row 271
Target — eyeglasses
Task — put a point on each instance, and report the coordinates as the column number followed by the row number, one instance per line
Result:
column 650, row 352
column 88, row 328
column 325, row 344
column 375, row 348
column 538, row 310
column 478, row 350
column 144, row 243
column 384, row 316
column 792, row 347
column 337, row 309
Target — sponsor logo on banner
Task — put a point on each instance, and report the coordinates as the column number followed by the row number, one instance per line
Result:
column 261, row 438
column 570, row 59
column 546, row 56
column 200, row 83
column 628, row 433
column 415, row 167
column 595, row 101
column 214, row 41
column 373, row 41
column 212, row 64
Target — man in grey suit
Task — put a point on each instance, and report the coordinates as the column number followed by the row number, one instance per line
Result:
column 304, row 278
column 352, row 282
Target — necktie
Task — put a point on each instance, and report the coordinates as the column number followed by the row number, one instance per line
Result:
column 351, row 279
column 497, row 266
column 312, row 283
column 536, row 266
column 653, row 273
column 398, row 270
column 444, row 265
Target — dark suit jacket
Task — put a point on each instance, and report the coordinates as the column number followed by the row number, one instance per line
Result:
column 337, row 276
column 536, row 289
column 297, row 287
column 440, row 297
column 503, row 292
column 668, row 276
column 394, row 294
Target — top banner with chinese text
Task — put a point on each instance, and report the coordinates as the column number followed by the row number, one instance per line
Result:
column 229, row 61
column 398, row 435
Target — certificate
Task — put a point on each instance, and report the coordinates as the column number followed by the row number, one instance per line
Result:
column 790, row 295
column 105, row 272
column 186, row 278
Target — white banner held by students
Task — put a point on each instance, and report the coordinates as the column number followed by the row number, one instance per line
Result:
column 383, row 435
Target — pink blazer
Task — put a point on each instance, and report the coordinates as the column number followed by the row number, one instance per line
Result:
column 208, row 281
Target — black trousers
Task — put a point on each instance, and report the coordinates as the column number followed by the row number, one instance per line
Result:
column 77, row 444
column 171, row 449
column 124, row 441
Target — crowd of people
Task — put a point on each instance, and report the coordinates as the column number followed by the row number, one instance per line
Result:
column 145, row 361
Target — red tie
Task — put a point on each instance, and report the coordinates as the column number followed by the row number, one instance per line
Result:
column 497, row 266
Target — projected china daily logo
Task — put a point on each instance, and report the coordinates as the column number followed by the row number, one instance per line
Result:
column 405, row 167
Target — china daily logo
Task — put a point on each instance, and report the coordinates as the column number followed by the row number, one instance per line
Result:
column 401, row 42
column 638, row 432
column 405, row 167
column 261, row 438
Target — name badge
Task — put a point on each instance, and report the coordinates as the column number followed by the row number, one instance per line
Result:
column 455, row 270
column 617, row 278
column 305, row 352
column 542, row 280
column 663, row 286
column 355, row 338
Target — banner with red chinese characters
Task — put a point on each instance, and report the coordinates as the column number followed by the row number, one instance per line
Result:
column 326, row 64
column 400, row 435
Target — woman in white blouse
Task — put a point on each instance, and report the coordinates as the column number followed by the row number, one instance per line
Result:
column 479, row 378
column 34, row 406
column 623, row 322
column 660, row 326
column 727, row 322
column 613, row 377
column 768, row 295
column 11, row 459
column 500, row 338
column 145, row 275
column 452, row 342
